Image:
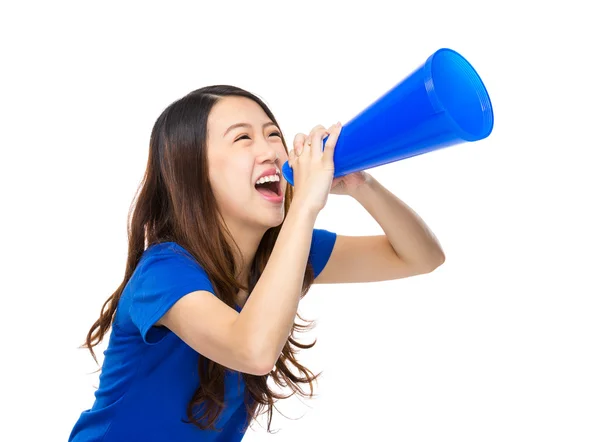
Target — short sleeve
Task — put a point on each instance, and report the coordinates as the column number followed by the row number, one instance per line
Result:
column 163, row 277
column 321, row 248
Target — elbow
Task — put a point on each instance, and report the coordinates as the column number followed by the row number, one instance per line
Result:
column 255, row 353
column 440, row 260
column 434, row 262
column 262, row 366
column 259, row 360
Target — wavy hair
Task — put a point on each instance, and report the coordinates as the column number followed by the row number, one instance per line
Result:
column 175, row 202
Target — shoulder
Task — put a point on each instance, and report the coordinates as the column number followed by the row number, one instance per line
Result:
column 321, row 248
column 167, row 256
column 166, row 249
column 165, row 273
column 167, row 268
column 322, row 237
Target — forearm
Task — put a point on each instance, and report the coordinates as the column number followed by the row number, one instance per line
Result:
column 408, row 234
column 268, row 314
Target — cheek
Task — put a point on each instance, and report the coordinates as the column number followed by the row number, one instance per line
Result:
column 222, row 185
column 283, row 153
column 230, row 180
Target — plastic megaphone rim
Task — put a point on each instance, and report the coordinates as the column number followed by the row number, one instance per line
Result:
column 478, row 87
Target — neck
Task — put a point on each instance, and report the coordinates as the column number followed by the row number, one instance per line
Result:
column 247, row 240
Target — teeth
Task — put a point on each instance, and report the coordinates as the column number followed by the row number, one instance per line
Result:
column 269, row 178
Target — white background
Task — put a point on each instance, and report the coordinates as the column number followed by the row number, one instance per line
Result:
column 501, row 343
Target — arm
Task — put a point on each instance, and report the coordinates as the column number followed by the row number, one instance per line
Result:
column 408, row 247
column 268, row 314
column 252, row 340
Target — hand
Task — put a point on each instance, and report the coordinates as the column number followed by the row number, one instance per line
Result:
column 348, row 184
column 313, row 167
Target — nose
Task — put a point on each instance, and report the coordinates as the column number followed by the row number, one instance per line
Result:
column 268, row 154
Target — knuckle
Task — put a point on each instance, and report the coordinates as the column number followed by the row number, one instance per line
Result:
column 321, row 133
column 317, row 129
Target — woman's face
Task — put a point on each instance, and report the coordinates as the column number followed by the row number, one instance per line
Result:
column 238, row 156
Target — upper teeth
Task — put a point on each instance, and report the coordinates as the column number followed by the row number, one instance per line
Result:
column 268, row 178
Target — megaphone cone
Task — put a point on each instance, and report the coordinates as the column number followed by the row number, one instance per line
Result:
column 442, row 103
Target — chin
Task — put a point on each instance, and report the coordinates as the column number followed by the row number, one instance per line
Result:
column 270, row 220
column 273, row 221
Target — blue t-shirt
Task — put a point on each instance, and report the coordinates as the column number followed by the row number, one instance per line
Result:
column 149, row 375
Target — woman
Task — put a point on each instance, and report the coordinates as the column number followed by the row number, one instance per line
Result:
column 221, row 249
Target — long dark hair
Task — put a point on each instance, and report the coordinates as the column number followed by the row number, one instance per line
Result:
column 175, row 202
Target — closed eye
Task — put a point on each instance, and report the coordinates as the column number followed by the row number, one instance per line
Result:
column 277, row 134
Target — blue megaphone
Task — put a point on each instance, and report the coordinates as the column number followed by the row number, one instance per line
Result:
column 442, row 103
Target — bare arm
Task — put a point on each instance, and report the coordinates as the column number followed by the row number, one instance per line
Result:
column 409, row 236
column 252, row 340
column 408, row 247
column 268, row 315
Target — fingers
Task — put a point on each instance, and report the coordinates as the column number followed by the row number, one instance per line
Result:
column 310, row 146
column 292, row 157
column 331, row 142
column 306, row 147
column 298, row 145
column 316, row 139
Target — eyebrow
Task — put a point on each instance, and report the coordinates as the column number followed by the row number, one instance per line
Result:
column 234, row 126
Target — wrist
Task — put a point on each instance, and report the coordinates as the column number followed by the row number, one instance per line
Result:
column 365, row 187
column 302, row 211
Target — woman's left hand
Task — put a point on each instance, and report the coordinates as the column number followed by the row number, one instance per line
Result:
column 348, row 184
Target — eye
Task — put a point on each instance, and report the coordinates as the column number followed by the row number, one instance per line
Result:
column 277, row 134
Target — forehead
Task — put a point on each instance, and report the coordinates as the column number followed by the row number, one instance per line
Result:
column 232, row 110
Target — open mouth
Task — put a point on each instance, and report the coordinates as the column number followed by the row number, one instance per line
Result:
column 269, row 188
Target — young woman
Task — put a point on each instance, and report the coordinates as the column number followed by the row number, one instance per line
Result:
column 221, row 250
